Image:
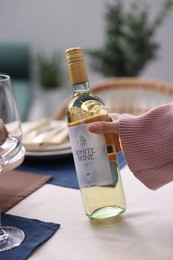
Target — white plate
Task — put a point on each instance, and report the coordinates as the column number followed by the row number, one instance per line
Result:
column 48, row 154
column 15, row 162
column 49, row 148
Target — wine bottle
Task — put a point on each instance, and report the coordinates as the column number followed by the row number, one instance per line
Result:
column 94, row 154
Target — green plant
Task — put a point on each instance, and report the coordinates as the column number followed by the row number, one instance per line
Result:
column 49, row 71
column 129, row 39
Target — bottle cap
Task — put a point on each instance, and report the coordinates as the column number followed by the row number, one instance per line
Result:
column 76, row 65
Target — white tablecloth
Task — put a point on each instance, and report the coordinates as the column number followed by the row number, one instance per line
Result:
column 143, row 232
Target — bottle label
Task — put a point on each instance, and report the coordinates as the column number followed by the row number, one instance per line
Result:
column 90, row 157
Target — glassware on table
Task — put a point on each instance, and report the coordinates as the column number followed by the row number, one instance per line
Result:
column 10, row 146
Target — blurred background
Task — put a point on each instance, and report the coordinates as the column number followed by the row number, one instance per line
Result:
column 39, row 32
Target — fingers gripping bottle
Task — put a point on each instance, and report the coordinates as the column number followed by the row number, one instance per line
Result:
column 94, row 155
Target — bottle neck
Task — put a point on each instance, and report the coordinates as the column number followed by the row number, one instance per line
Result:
column 80, row 88
column 77, row 71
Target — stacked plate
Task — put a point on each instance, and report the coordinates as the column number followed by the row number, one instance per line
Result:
column 45, row 138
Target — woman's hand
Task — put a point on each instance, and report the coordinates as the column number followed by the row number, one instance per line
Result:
column 108, row 127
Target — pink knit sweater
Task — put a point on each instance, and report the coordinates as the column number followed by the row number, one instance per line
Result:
column 147, row 143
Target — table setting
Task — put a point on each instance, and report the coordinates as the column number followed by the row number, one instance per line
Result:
column 18, row 236
column 43, row 163
column 40, row 198
column 55, row 226
column 69, row 230
column 32, row 155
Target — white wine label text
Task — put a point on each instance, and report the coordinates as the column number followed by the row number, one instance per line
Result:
column 90, row 157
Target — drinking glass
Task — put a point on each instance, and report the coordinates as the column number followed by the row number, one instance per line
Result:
column 10, row 146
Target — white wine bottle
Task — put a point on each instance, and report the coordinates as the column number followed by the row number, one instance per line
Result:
column 94, row 155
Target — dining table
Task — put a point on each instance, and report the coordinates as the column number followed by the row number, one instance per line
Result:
column 143, row 232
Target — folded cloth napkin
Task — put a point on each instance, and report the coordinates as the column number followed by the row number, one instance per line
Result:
column 36, row 232
column 43, row 137
column 14, row 186
column 61, row 169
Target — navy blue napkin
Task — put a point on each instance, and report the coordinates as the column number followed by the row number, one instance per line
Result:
column 36, row 233
column 61, row 169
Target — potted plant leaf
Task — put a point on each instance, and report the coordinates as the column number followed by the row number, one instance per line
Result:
column 130, row 42
column 49, row 71
column 50, row 78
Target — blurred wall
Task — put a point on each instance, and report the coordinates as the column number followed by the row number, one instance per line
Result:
column 55, row 25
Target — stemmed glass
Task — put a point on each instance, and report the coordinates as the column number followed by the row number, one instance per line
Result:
column 10, row 146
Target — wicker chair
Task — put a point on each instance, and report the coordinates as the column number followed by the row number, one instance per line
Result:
column 128, row 95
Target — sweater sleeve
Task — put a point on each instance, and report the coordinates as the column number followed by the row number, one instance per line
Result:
column 147, row 143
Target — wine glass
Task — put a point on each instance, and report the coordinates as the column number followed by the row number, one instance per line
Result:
column 10, row 146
